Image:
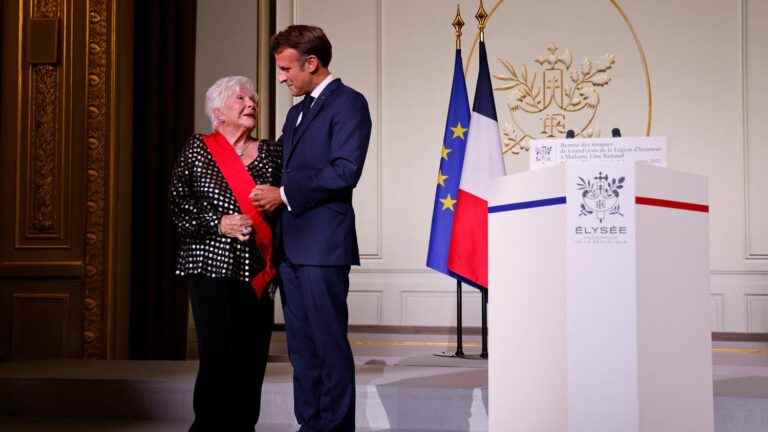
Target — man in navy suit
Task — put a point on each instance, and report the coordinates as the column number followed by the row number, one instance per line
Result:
column 325, row 140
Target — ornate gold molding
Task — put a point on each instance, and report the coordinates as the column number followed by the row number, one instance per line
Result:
column 45, row 100
column 98, row 122
column 45, row 9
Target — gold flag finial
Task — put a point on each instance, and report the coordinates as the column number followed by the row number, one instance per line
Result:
column 457, row 24
column 482, row 18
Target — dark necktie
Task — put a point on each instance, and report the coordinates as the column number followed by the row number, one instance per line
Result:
column 306, row 104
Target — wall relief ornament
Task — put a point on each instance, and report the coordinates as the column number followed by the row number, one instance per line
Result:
column 46, row 8
column 545, row 103
column 45, row 84
column 97, row 129
column 44, row 110
column 552, row 119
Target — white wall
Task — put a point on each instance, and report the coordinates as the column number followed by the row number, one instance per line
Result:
column 227, row 44
column 707, row 60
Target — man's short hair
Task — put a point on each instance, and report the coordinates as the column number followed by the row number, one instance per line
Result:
column 307, row 40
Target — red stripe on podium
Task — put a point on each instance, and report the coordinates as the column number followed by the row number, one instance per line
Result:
column 680, row 205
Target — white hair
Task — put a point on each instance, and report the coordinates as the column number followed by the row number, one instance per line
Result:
column 223, row 89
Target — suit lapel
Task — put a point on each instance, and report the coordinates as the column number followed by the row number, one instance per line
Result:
column 309, row 116
column 290, row 132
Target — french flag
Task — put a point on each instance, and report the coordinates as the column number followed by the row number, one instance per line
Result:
column 468, row 255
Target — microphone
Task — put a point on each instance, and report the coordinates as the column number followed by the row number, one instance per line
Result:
column 570, row 134
column 615, row 133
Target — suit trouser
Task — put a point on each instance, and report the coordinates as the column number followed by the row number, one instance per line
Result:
column 315, row 308
column 233, row 331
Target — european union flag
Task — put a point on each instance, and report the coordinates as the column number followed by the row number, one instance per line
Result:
column 449, row 174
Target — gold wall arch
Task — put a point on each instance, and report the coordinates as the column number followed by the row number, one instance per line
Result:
column 635, row 37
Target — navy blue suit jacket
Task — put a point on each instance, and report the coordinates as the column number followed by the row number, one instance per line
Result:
column 322, row 162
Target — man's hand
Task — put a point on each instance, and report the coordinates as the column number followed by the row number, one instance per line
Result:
column 236, row 225
column 266, row 198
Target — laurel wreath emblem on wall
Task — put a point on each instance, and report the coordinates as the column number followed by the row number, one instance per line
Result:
column 548, row 92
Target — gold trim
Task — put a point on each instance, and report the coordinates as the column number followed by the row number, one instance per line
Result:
column 639, row 46
column 19, row 134
column 458, row 24
column 740, row 350
column 100, row 60
column 645, row 65
column 111, row 230
column 45, row 8
column 47, row 296
column 45, row 175
column 477, row 37
column 422, row 343
column 264, row 127
column 382, row 343
column 482, row 19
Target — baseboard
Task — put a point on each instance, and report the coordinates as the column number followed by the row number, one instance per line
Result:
column 474, row 331
column 739, row 337
column 435, row 330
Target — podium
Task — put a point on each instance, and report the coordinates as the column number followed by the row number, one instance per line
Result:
column 599, row 302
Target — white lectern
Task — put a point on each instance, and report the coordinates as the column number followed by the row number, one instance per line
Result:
column 599, row 303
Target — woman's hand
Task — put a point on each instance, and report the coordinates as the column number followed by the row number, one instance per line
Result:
column 266, row 198
column 236, row 225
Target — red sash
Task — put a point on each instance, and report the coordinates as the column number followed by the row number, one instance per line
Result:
column 241, row 183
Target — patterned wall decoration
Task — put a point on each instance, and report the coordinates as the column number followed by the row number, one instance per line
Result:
column 98, row 117
column 45, row 9
column 45, row 102
column 45, row 80
column 560, row 95
column 567, row 96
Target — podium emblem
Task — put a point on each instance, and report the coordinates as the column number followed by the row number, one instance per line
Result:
column 544, row 153
column 548, row 102
column 600, row 196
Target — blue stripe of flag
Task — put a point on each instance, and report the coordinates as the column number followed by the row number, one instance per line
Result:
column 442, row 219
column 484, row 103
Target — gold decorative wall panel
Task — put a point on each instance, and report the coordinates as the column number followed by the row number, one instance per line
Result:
column 42, row 217
column 43, row 145
column 99, row 112
column 57, row 121
column 45, row 8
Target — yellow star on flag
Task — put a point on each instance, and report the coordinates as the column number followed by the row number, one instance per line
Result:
column 441, row 178
column 448, row 202
column 444, row 152
column 458, row 131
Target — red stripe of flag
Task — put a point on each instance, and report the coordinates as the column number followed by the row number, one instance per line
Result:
column 469, row 244
column 680, row 205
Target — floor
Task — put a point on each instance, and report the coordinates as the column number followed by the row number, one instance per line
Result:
column 403, row 364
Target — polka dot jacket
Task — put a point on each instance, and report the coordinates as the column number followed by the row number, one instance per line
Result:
column 200, row 196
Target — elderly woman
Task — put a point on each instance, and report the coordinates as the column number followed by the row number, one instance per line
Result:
column 225, row 254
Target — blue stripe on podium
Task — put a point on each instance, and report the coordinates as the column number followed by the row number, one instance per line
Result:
column 527, row 204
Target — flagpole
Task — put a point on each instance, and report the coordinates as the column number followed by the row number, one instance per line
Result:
column 484, row 349
column 482, row 19
column 458, row 24
column 459, row 332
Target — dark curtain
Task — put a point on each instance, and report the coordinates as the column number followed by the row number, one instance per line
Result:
column 163, row 121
